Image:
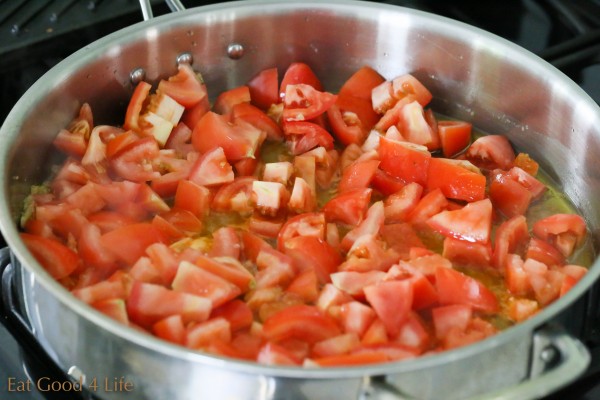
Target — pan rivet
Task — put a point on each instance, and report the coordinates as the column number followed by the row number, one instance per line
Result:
column 185, row 58
column 235, row 51
column 137, row 75
column 77, row 374
column 549, row 354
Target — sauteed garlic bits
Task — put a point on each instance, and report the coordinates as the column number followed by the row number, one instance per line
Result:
column 290, row 225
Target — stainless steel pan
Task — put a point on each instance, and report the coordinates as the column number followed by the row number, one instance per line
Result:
column 473, row 75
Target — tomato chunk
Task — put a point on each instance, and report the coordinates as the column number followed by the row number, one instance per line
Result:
column 56, row 258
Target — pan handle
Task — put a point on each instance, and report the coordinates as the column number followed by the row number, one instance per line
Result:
column 174, row 6
column 557, row 360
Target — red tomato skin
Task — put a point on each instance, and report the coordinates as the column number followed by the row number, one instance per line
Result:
column 171, row 329
column 238, row 141
column 307, row 224
column 226, row 243
column 212, row 169
column 149, row 303
column 56, row 258
column 361, row 83
column 264, row 88
column 236, row 312
column 305, row 136
column 128, row 243
column 193, row 197
column 227, row 100
column 130, row 162
column 185, row 87
column 358, row 175
column 404, row 162
column 457, row 288
column 455, row 136
column 299, row 73
column 556, row 224
column 472, row 223
column 257, row 118
column 303, row 103
column 467, row 253
column 386, row 184
column 510, row 235
column 455, row 181
column 139, row 96
column 392, row 301
column 302, row 322
column 508, row 196
column 348, row 208
column 200, row 282
column 316, row 253
column 408, row 85
column 490, row 152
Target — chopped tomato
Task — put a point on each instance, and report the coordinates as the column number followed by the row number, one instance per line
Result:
column 200, row 282
column 472, row 223
column 351, row 119
column 171, row 329
column 467, row 253
column 457, row 288
column 527, row 164
column 510, row 235
column 392, row 301
column 305, row 136
column 136, row 103
column 56, row 258
column 313, row 253
column 358, row 175
column 508, row 196
column 557, row 228
column 238, row 140
column 455, row 136
column 301, row 322
column 212, row 169
column 490, row 152
column 308, row 224
column 447, row 318
column 406, row 85
column 415, row 128
column 236, row 312
column 295, row 226
column 192, row 197
column 348, row 208
column 385, row 183
column 303, row 102
column 129, row 242
column 404, row 160
column 227, row 100
column 456, row 179
column 234, row 196
column 134, row 161
column 258, row 119
column 226, row 243
column 299, row 73
column 400, row 204
column 149, row 303
column 431, row 204
column 185, row 87
column 264, row 88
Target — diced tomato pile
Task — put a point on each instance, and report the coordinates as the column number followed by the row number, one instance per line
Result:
column 289, row 225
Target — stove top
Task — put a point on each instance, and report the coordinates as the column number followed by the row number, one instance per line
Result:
column 35, row 36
